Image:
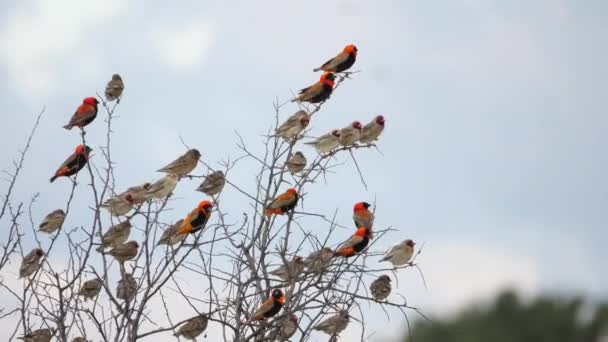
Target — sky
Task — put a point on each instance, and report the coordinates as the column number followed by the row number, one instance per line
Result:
column 495, row 110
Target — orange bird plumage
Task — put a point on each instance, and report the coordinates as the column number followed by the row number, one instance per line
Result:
column 319, row 91
column 343, row 61
column 270, row 307
column 74, row 163
column 362, row 216
column 283, row 203
column 85, row 113
column 355, row 244
column 197, row 219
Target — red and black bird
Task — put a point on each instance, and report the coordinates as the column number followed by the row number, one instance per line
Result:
column 85, row 113
column 283, row 203
column 197, row 219
column 343, row 61
column 355, row 244
column 270, row 307
column 74, row 163
column 319, row 91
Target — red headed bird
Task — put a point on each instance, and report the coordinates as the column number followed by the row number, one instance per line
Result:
column 197, row 219
column 74, row 163
column 355, row 244
column 319, row 91
column 270, row 307
column 342, row 61
column 362, row 216
column 85, row 113
column 283, row 203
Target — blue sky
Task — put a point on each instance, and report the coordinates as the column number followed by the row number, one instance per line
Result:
column 496, row 117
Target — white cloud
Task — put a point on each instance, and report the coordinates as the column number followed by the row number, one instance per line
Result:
column 40, row 34
column 185, row 47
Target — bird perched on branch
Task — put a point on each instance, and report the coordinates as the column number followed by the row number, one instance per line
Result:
column 363, row 217
column 381, row 287
column 163, row 187
column 291, row 270
column 318, row 261
column 400, row 254
column 90, row 288
column 283, row 203
column 114, row 88
column 139, row 193
column 296, row 163
column 53, row 221
column 126, row 289
column 85, row 113
column 286, row 328
column 80, row 339
column 193, row 327
column 270, row 307
column 124, row 252
column 74, row 163
column 343, row 61
column 184, row 164
column 119, row 205
column 197, row 219
column 334, row 324
column 355, row 244
column 327, row 142
column 319, row 91
column 40, row 335
column 31, row 263
column 213, row 183
column 170, row 236
column 350, row 134
column 116, row 235
column 371, row 131
column 294, row 125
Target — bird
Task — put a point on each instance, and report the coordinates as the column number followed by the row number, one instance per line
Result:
column 119, row 205
column 52, row 222
column 296, row 163
column 319, row 91
column 116, row 235
column 401, row 253
column 85, row 113
column 213, row 183
column 139, row 193
column 343, row 61
column 334, row 324
column 126, row 289
column 270, row 307
column 318, row 261
column 350, row 134
column 170, row 236
column 362, row 216
column 114, row 88
column 31, row 263
column 371, row 131
column 291, row 270
column 124, row 252
column 196, row 219
column 283, row 203
column 327, row 142
column 184, row 164
column 80, row 339
column 355, row 244
column 381, row 287
column 90, row 288
column 287, row 327
column 163, row 187
column 193, row 327
column 74, row 163
column 39, row 335
column 294, row 125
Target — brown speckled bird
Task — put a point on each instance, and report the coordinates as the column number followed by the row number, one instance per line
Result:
column 355, row 244
column 116, row 235
column 31, row 263
column 400, row 254
column 270, row 307
column 196, row 219
column 294, row 125
column 139, row 193
column 287, row 327
column 343, row 61
column 213, row 183
column 291, row 270
column 318, row 261
column 40, row 335
column 319, row 91
column 381, row 287
column 170, row 236
column 114, row 88
column 163, row 187
column 85, row 113
column 126, row 289
column 74, row 163
column 194, row 327
column 90, row 288
column 119, row 205
column 296, row 163
column 53, row 221
column 350, row 134
column 283, row 203
column 80, row 339
column 184, row 164
column 124, row 252
column 327, row 142
column 371, row 131
column 335, row 324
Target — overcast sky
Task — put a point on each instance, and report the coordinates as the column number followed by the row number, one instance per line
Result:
column 493, row 153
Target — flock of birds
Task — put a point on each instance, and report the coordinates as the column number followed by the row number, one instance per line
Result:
column 114, row 241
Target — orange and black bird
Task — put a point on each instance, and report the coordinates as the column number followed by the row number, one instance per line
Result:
column 197, row 219
column 74, row 163
column 362, row 216
column 85, row 113
column 342, row 61
column 319, row 91
column 283, row 203
column 355, row 244
column 270, row 307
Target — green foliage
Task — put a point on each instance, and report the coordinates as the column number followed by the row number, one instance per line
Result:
column 509, row 319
